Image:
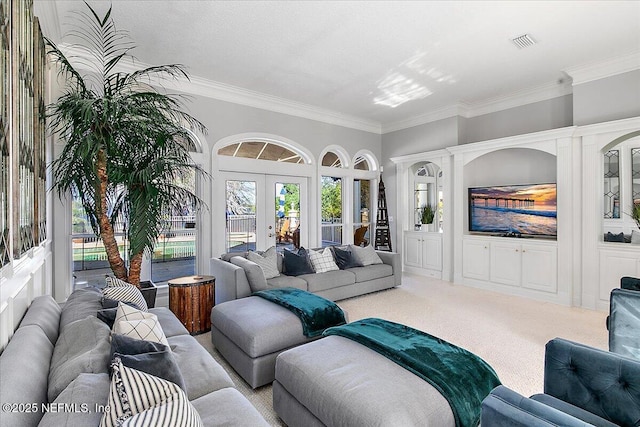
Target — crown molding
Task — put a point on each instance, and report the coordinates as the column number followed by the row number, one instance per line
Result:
column 491, row 105
column 518, row 98
column 203, row 87
column 433, row 116
column 599, row 70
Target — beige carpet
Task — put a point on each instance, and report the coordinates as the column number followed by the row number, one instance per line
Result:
column 508, row 332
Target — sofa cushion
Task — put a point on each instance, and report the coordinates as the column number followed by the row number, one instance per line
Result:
column 328, row 280
column 345, row 258
column 322, row 260
column 267, row 261
column 227, row 407
column 24, row 368
column 80, row 304
column 285, row 281
column 201, row 373
column 88, row 395
column 140, row 399
column 371, row 272
column 255, row 275
column 171, row 325
column 297, row 262
column 138, row 324
column 44, row 312
column 365, row 255
column 83, row 347
column 123, row 291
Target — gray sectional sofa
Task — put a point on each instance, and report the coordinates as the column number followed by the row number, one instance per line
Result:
column 237, row 277
column 66, row 350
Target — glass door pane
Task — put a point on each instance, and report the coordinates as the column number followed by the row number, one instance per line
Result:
column 331, row 199
column 240, row 230
column 287, row 215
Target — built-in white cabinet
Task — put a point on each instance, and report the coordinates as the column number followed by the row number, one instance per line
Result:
column 526, row 267
column 423, row 253
column 617, row 260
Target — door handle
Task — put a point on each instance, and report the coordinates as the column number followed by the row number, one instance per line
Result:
column 271, row 234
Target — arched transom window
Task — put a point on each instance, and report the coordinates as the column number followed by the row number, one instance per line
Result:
column 261, row 150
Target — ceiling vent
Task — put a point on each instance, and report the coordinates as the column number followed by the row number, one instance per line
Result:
column 523, row 41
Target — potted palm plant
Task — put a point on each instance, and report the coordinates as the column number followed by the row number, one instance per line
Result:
column 125, row 154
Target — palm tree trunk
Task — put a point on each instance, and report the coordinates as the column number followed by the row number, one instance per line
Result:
column 135, row 266
column 107, row 234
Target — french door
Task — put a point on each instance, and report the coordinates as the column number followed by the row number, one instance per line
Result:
column 265, row 210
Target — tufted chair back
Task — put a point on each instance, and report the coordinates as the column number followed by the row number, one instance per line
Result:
column 600, row 382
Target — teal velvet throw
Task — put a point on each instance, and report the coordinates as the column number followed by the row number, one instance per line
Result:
column 460, row 376
column 315, row 313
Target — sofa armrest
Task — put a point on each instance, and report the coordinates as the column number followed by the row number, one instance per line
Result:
column 395, row 261
column 505, row 407
column 231, row 281
column 603, row 383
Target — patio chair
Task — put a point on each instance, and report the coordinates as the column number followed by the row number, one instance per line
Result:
column 358, row 236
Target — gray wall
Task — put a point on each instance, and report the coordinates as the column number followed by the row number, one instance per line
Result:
column 613, row 98
column 417, row 139
column 550, row 114
column 225, row 119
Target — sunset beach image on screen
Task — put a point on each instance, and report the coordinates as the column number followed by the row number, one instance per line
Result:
column 522, row 209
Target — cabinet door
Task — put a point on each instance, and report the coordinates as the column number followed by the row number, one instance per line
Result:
column 432, row 252
column 475, row 259
column 613, row 266
column 413, row 249
column 505, row 263
column 539, row 268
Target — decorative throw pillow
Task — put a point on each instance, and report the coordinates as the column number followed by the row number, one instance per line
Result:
column 365, row 255
column 268, row 262
column 126, row 345
column 344, row 258
column 610, row 237
column 122, row 291
column 161, row 364
column 322, row 261
column 110, row 309
column 635, row 237
column 139, row 399
column 138, row 324
column 297, row 263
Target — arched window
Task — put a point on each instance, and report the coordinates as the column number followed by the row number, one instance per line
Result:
column 261, row 150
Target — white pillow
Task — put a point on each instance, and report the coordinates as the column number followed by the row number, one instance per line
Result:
column 366, row 255
column 635, row 237
column 122, row 291
column 268, row 262
column 322, row 261
column 138, row 324
column 139, row 399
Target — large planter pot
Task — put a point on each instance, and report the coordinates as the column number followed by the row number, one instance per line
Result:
column 149, row 292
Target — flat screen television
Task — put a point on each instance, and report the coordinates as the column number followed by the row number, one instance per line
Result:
column 514, row 210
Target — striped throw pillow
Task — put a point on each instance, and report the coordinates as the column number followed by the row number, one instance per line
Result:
column 126, row 292
column 139, row 399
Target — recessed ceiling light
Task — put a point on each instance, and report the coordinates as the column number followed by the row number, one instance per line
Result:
column 523, row 41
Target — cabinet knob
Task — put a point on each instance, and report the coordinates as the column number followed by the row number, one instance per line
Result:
column 523, row 251
column 485, row 247
column 517, row 250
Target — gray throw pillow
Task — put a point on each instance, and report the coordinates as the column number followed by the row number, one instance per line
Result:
column 161, row 364
column 365, row 255
column 255, row 275
column 267, row 261
column 82, row 347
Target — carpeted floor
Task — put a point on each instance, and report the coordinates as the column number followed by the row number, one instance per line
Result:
column 506, row 331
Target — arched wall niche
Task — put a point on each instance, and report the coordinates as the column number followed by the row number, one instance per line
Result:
column 511, row 166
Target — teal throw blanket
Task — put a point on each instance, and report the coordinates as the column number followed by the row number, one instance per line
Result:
column 460, row 376
column 315, row 313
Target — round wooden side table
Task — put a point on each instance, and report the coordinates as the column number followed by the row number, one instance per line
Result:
column 191, row 299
